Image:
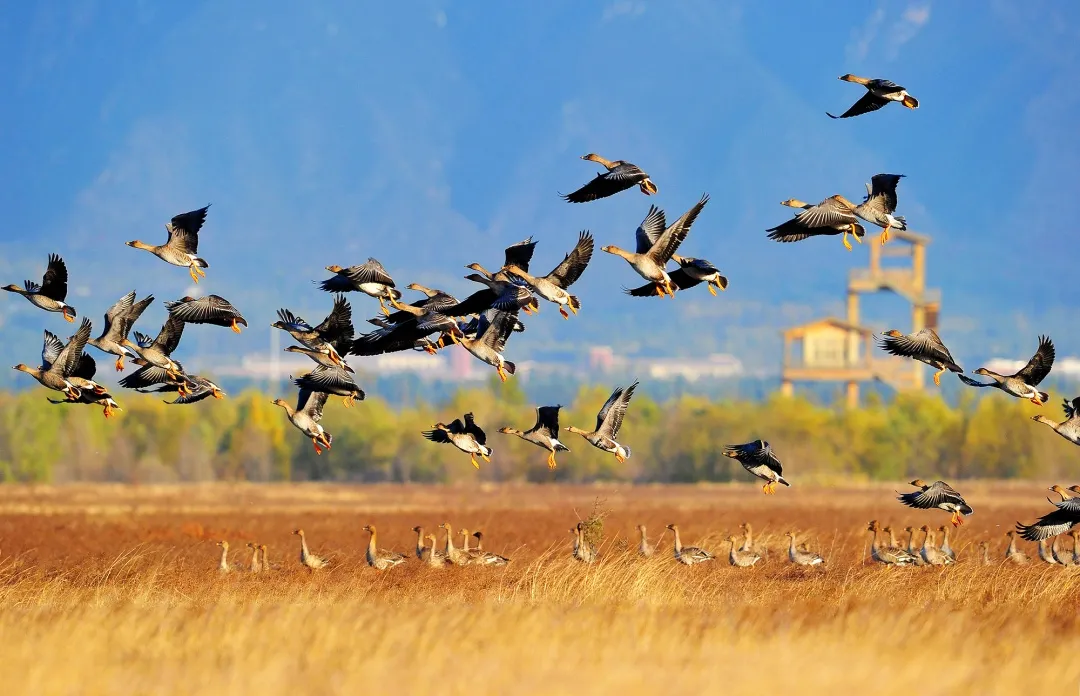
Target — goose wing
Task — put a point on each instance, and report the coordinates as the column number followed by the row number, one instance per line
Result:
column 869, row 102
column 338, row 323
column 831, row 212
column 184, row 230
column 437, row 435
column 206, row 310
column 607, row 184
column 681, row 279
column 1071, row 409
column 169, row 336
column 520, row 254
column 473, row 429
column 936, row 494
column 50, row 349
column 922, row 344
column 882, row 194
column 497, row 329
column 67, row 362
column 673, row 236
column 610, row 418
column 566, row 273
column 146, row 376
column 650, row 229
column 547, row 421
column 327, row 379
column 371, row 272
column 115, row 314
column 1039, row 366
column 311, row 403
column 54, row 284
column 755, row 454
column 1051, row 524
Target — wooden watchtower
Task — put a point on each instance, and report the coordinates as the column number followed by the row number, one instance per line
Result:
column 842, row 350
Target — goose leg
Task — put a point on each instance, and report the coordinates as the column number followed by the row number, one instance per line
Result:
column 315, row 441
column 107, row 412
column 847, row 244
column 382, row 307
column 502, row 373
column 885, row 233
column 1035, row 400
column 660, row 289
column 712, row 290
column 551, row 460
column 347, row 401
column 193, row 274
column 572, row 309
column 937, row 376
column 956, row 521
column 563, row 312
column 619, row 458
column 120, row 364
column 67, row 317
column 234, row 327
column 485, row 457
column 431, row 349
column 472, row 458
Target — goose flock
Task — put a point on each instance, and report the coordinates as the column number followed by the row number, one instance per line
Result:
column 485, row 320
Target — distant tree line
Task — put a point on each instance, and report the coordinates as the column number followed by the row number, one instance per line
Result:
column 246, row 437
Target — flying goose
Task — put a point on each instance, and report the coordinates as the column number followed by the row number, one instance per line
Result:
column 467, row 437
column 552, row 287
column 1022, row 384
column 758, row 458
column 620, row 176
column 938, row 495
column 545, row 433
column 52, row 292
column 182, row 248
column 608, row 423
column 925, row 346
column 118, row 322
column 878, row 94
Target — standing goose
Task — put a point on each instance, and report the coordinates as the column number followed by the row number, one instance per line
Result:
column 911, row 546
column 182, row 248
column 645, row 549
column 452, row 553
column 488, row 557
column 945, row 547
column 118, row 322
column 931, row 554
column 369, row 278
column 690, row 273
column 1062, row 557
column 1068, row 428
column 1022, row 384
column 834, row 215
column 552, row 287
column 656, row 244
column 212, row 309
column 420, row 548
column 925, row 346
column 332, row 380
column 433, row 557
column 748, row 537
column 267, row 566
column 1046, row 555
column 467, row 437
column 380, row 560
column 608, row 423
column 739, row 558
column 984, row 546
column 492, row 332
column 335, row 330
column 52, row 292
column 803, row 558
column 878, row 94
column 888, row 555
column 306, row 417
column 256, row 566
column 308, row 559
column 545, row 433
column 688, row 555
column 879, row 204
column 938, row 495
column 223, row 564
column 584, row 550
column 58, row 373
column 758, row 458
column 1012, row 554
column 619, row 177
column 158, row 351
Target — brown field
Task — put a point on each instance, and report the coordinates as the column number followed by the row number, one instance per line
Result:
column 115, row 590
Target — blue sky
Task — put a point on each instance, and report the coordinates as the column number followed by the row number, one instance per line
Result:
column 431, row 134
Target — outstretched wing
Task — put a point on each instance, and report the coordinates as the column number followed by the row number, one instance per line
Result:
column 338, row 323
column 1049, row 525
column 754, row 454
column 437, row 435
column 924, row 344
column 169, row 336
column 868, row 103
column 650, row 230
column 184, row 230
column 606, row 184
column 371, row 272
column 934, row 495
column 50, row 349
column 1039, row 366
column 520, row 254
column 473, row 429
column 673, row 236
column 68, row 359
column 566, row 273
column 883, row 189
column 54, row 284
column 610, row 418
column 311, row 403
column 547, row 418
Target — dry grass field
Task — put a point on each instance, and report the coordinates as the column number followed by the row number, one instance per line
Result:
column 115, row 590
